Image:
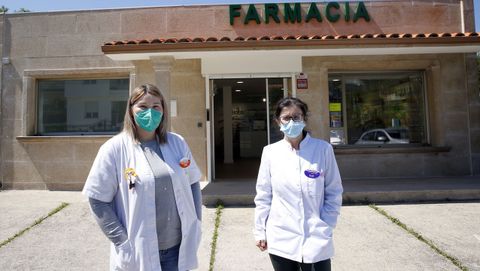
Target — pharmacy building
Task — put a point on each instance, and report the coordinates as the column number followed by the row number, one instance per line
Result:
column 392, row 85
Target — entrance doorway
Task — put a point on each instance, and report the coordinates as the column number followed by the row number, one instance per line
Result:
column 243, row 123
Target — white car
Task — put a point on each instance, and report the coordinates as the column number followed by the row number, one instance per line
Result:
column 384, row 136
column 336, row 138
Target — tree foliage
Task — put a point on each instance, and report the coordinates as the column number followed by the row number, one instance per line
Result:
column 23, row 10
column 4, row 9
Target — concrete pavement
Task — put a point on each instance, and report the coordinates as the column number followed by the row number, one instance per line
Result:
column 364, row 239
column 68, row 240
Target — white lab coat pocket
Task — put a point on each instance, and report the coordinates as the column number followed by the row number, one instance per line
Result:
column 315, row 186
column 125, row 256
column 327, row 230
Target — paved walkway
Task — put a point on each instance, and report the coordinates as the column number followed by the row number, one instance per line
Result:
column 364, row 238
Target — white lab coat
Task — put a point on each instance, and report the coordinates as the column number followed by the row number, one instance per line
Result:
column 296, row 213
column 136, row 207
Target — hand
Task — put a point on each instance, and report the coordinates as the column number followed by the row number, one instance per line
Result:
column 262, row 245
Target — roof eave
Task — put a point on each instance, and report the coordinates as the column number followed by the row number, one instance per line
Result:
column 291, row 44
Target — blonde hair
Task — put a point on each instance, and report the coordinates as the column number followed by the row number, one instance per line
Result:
column 129, row 124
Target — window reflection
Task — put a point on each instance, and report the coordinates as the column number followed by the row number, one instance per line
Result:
column 81, row 106
column 377, row 109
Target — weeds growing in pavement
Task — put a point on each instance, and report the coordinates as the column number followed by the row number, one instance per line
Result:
column 425, row 240
column 36, row 222
column 218, row 215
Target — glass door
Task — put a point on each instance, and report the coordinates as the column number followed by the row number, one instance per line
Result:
column 243, row 123
column 277, row 88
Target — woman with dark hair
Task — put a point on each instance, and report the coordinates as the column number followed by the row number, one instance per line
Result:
column 143, row 190
column 299, row 195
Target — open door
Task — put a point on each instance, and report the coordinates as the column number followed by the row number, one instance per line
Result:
column 243, row 123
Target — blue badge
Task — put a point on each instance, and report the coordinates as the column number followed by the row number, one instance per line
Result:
column 311, row 173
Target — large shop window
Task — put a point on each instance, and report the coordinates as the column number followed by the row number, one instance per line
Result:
column 95, row 106
column 377, row 109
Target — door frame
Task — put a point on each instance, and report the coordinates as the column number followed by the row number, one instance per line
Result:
column 209, row 105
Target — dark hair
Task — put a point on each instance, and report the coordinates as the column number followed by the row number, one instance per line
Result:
column 129, row 124
column 290, row 101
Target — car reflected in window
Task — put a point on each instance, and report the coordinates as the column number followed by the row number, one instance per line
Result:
column 337, row 137
column 384, row 136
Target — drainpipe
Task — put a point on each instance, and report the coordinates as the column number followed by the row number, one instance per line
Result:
column 2, row 172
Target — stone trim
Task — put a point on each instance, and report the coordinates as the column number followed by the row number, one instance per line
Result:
column 378, row 149
column 78, row 72
column 43, row 139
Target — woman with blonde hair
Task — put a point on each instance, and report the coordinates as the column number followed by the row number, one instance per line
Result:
column 144, row 192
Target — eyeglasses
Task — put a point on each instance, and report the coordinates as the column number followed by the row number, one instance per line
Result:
column 287, row 118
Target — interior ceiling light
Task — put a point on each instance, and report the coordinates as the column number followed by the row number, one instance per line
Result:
column 264, row 99
column 336, row 80
column 239, row 82
column 238, row 90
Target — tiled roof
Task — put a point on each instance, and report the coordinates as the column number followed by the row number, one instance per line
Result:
column 169, row 44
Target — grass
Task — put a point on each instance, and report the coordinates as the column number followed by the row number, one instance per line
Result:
column 425, row 240
column 35, row 223
column 218, row 215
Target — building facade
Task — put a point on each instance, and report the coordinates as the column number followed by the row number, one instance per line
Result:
column 392, row 85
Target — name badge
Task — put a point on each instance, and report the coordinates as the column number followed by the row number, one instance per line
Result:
column 312, row 173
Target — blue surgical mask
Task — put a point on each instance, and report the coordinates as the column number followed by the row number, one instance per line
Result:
column 292, row 129
column 149, row 119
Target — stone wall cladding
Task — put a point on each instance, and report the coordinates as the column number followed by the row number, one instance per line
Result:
column 188, row 89
column 473, row 97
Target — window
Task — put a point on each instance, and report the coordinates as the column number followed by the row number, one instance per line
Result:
column 91, row 110
column 387, row 108
column 81, row 106
column 118, row 84
column 369, row 136
column 89, row 82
